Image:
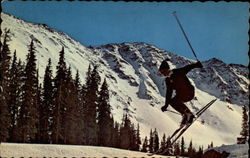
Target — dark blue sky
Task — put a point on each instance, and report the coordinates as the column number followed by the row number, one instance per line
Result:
column 214, row 29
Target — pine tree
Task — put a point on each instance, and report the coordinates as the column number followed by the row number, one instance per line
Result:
column 151, row 141
column 84, row 110
column 4, row 88
column 182, row 152
column 177, row 150
column 14, row 101
column 38, row 104
column 116, row 136
column 80, row 110
column 245, row 126
column 168, row 146
column 191, row 150
column 105, row 122
column 125, row 133
column 60, row 102
column 132, row 135
column 212, row 145
column 145, row 145
column 16, row 86
column 46, row 105
column 138, row 138
column 29, row 112
column 91, row 126
column 163, row 142
column 199, row 153
column 155, row 140
column 71, row 114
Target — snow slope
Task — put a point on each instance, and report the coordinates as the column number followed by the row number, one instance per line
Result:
column 236, row 150
column 131, row 73
column 45, row 150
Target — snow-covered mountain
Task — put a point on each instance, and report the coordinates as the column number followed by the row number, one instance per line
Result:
column 131, row 73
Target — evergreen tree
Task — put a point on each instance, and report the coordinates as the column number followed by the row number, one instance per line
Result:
column 183, row 148
column 138, row 139
column 60, row 102
column 125, row 133
column 245, row 126
column 116, row 136
column 212, row 145
column 46, row 105
column 151, row 141
column 84, row 110
column 105, row 122
column 13, row 101
column 145, row 145
column 38, row 104
column 80, row 109
column 168, row 147
column 29, row 112
column 4, row 88
column 163, row 142
column 132, row 135
column 91, row 126
column 177, row 150
column 71, row 114
column 199, row 153
column 191, row 150
column 155, row 140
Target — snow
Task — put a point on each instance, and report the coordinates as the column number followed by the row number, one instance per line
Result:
column 133, row 81
column 48, row 150
column 235, row 150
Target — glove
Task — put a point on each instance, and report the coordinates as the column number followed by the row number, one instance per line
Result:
column 199, row 65
column 164, row 108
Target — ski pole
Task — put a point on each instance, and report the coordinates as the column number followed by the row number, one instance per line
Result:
column 175, row 15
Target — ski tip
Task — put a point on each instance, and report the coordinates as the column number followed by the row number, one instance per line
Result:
column 174, row 12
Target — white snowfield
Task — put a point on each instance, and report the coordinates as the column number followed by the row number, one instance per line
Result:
column 69, row 151
column 236, row 150
column 48, row 150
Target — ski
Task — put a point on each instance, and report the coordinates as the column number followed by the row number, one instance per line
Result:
column 198, row 114
column 182, row 129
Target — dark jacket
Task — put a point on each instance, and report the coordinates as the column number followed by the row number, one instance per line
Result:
column 179, row 82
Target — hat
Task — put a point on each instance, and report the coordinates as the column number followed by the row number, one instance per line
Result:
column 164, row 64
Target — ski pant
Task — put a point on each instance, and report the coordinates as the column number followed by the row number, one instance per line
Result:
column 177, row 102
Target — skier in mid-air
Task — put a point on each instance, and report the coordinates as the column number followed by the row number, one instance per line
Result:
column 177, row 80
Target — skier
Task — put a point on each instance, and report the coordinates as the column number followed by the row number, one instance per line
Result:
column 177, row 80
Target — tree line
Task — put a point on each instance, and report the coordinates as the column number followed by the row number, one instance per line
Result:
column 58, row 110
column 61, row 110
column 153, row 143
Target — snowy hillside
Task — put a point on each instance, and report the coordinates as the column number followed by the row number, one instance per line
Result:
column 131, row 73
column 236, row 150
column 42, row 150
